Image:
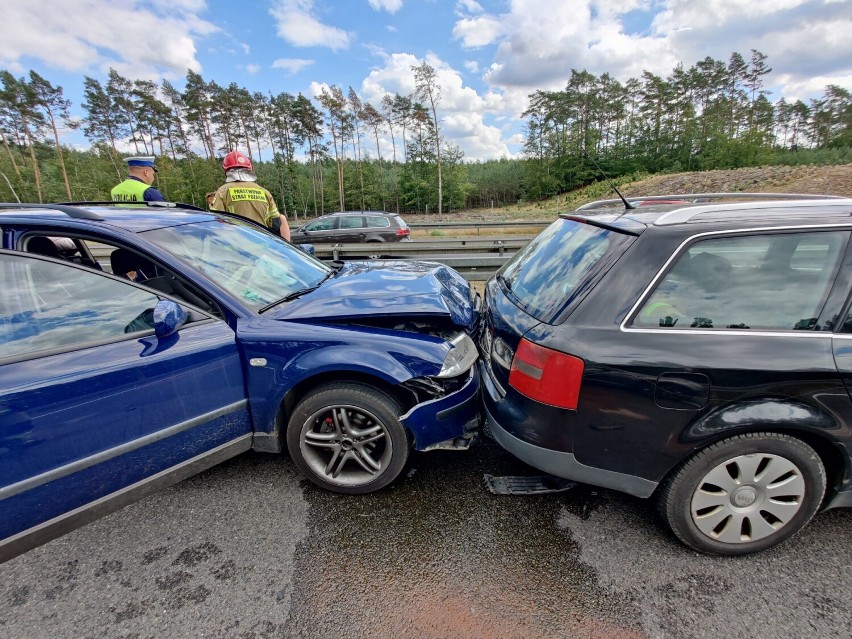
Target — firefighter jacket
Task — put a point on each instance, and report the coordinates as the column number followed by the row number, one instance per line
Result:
column 247, row 200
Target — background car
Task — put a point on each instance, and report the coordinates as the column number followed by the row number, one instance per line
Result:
column 140, row 345
column 353, row 226
column 699, row 354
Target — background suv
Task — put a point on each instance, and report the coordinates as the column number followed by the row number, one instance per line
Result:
column 353, row 226
column 697, row 353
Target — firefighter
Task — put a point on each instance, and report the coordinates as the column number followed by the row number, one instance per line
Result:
column 241, row 195
column 137, row 187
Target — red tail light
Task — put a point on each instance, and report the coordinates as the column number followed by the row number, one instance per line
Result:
column 546, row 375
column 402, row 231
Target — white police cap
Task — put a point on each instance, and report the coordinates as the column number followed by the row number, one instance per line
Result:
column 141, row 160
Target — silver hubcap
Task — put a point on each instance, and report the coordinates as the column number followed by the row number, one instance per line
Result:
column 345, row 445
column 748, row 498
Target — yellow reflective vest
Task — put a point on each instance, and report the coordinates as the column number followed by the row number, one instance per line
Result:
column 129, row 191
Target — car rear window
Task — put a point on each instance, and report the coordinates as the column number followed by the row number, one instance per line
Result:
column 377, row 221
column 351, row 222
column 560, row 266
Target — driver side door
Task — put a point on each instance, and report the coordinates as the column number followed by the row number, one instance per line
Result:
column 96, row 410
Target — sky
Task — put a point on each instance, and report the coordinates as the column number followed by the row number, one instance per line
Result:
column 489, row 55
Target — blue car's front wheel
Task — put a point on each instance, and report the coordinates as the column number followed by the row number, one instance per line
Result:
column 347, row 437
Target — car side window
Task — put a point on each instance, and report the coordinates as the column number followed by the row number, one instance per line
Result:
column 758, row 282
column 352, row 222
column 132, row 265
column 377, row 221
column 47, row 306
column 320, row 225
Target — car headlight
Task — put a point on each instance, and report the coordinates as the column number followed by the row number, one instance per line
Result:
column 461, row 357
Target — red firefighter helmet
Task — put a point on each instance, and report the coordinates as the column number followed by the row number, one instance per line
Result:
column 234, row 160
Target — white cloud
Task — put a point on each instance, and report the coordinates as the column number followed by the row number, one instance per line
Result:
column 376, row 50
column 535, row 44
column 802, row 38
column 246, row 48
column 461, row 110
column 391, row 6
column 468, row 6
column 84, row 36
column 479, row 31
column 472, row 66
column 391, row 28
column 478, row 140
column 291, row 65
column 297, row 25
column 803, row 88
column 190, row 6
column 709, row 14
column 253, row 69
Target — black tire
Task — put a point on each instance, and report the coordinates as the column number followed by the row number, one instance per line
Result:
column 347, row 437
column 743, row 494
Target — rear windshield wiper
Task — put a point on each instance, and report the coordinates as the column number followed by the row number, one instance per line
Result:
column 504, row 282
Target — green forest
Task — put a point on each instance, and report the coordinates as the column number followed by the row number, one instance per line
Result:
column 334, row 151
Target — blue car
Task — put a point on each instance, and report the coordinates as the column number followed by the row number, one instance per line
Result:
column 140, row 345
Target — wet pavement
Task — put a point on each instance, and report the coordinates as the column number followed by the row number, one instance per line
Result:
column 249, row 550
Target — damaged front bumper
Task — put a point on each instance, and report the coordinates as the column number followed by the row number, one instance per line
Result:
column 448, row 422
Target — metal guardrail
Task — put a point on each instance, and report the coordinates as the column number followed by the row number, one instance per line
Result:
column 479, row 226
column 475, row 258
column 417, row 248
column 469, row 225
column 474, row 268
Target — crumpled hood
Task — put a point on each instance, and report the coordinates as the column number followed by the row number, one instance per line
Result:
column 390, row 288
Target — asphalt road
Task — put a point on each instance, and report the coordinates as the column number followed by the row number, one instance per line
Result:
column 249, row 550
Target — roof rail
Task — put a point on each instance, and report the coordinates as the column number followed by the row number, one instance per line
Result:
column 679, row 216
column 702, row 197
column 70, row 211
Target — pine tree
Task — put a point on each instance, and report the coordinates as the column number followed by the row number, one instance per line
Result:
column 53, row 105
column 21, row 100
column 427, row 89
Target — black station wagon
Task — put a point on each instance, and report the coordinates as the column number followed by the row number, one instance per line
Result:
column 699, row 353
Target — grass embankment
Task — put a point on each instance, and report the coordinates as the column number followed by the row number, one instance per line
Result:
column 828, row 180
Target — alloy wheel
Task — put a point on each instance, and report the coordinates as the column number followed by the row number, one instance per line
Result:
column 345, row 445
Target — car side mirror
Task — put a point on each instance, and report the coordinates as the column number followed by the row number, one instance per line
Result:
column 168, row 318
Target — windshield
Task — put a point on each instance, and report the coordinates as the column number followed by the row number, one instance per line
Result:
column 257, row 268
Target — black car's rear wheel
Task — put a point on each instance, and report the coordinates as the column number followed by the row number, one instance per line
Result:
column 744, row 494
column 347, row 437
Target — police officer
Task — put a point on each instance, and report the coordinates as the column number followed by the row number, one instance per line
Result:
column 137, row 187
column 241, row 195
